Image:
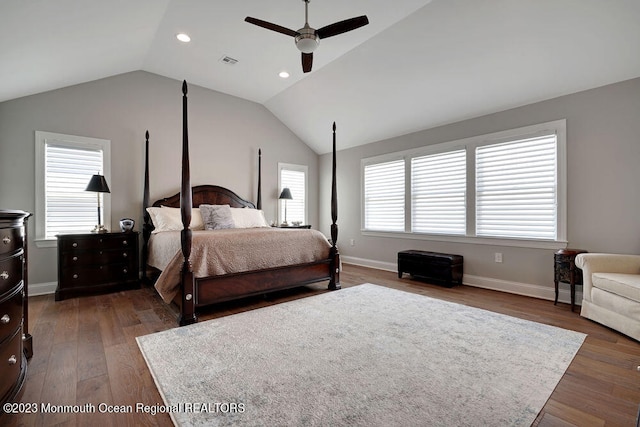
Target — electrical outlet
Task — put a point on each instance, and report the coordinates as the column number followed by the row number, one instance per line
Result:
column 498, row 256
column 352, row 242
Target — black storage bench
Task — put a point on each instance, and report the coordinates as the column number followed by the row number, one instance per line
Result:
column 441, row 268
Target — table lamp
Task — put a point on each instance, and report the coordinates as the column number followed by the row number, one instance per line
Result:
column 98, row 184
column 285, row 195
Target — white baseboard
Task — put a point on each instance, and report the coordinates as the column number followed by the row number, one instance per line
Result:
column 518, row 288
column 42, row 288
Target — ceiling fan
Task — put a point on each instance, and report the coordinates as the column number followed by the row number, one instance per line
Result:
column 308, row 38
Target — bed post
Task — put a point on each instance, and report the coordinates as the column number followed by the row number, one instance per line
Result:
column 259, row 201
column 187, row 309
column 146, row 226
column 334, row 282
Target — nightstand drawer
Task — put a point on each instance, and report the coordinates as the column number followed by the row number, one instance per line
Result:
column 95, row 242
column 10, row 314
column 102, row 257
column 10, row 272
column 98, row 274
column 10, row 362
column 11, row 239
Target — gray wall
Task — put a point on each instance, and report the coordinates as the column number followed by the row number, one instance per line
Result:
column 603, row 150
column 225, row 133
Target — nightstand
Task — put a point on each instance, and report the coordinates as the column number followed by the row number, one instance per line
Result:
column 565, row 270
column 94, row 263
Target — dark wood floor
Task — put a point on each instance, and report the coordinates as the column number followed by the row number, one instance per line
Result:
column 85, row 353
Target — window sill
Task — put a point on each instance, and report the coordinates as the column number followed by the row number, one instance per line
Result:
column 520, row 243
column 46, row 243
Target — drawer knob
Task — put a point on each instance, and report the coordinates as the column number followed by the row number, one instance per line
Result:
column 5, row 319
column 74, row 244
column 6, row 240
column 4, row 275
column 124, row 254
column 124, row 270
column 125, row 243
column 75, row 276
column 12, row 360
column 75, row 258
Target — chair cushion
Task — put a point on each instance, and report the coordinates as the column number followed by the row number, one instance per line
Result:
column 625, row 285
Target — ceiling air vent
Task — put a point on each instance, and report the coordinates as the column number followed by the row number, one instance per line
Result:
column 228, row 60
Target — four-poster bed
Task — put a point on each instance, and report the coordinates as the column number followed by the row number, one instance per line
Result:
column 313, row 260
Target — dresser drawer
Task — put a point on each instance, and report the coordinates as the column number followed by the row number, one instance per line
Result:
column 11, row 239
column 10, row 272
column 102, row 257
column 98, row 274
column 81, row 243
column 10, row 362
column 10, row 314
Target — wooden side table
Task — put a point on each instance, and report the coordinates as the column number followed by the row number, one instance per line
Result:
column 96, row 262
column 565, row 270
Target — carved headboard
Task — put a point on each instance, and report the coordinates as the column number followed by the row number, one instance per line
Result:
column 209, row 195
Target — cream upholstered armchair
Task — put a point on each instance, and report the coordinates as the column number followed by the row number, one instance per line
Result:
column 611, row 290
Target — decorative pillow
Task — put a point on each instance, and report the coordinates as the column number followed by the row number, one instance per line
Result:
column 216, row 217
column 169, row 219
column 248, row 218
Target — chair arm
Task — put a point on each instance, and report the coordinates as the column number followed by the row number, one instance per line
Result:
column 591, row 263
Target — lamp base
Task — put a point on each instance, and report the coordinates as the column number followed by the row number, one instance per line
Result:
column 99, row 229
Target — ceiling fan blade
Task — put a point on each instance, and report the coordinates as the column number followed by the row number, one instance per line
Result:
column 270, row 26
column 307, row 62
column 342, row 27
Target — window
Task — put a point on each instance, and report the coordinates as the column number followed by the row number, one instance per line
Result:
column 384, row 196
column 438, row 193
column 293, row 177
column 516, row 189
column 64, row 165
column 508, row 185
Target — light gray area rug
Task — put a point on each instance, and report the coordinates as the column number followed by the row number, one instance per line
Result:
column 362, row 356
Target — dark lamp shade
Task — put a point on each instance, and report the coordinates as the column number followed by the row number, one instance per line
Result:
column 98, row 184
column 286, row 194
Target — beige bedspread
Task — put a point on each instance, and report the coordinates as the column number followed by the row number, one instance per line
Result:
column 215, row 252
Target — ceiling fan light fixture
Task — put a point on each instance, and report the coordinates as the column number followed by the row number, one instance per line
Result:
column 307, row 40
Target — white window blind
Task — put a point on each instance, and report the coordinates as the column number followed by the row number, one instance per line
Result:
column 384, row 189
column 295, row 181
column 68, row 207
column 516, row 189
column 438, row 193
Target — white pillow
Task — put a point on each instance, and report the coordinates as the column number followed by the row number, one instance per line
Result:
column 248, row 218
column 169, row 219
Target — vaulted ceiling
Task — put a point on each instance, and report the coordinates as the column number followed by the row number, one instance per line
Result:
column 418, row 64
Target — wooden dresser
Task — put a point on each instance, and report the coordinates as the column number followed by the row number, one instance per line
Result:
column 93, row 263
column 15, row 341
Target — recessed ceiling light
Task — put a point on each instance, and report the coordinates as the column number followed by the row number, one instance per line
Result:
column 284, row 74
column 183, row 37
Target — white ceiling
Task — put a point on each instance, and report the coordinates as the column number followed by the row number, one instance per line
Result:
column 418, row 64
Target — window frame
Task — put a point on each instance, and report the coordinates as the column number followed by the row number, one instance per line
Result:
column 295, row 168
column 70, row 141
column 558, row 127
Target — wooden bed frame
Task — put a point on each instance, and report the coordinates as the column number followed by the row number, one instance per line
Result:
column 198, row 292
